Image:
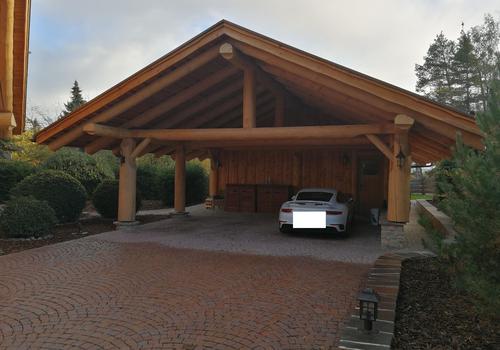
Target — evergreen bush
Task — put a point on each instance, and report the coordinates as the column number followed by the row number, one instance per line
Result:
column 196, row 184
column 61, row 191
column 105, row 199
column 11, row 173
column 25, row 217
column 80, row 165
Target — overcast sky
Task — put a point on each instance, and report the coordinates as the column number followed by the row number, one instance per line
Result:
column 101, row 42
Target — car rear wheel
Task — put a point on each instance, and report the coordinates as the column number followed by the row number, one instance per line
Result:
column 285, row 228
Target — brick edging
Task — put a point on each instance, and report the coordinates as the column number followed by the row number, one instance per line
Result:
column 383, row 277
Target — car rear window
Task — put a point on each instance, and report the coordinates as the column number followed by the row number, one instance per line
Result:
column 314, row 196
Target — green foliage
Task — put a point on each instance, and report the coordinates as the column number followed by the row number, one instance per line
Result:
column 443, row 175
column 472, row 200
column 27, row 217
column 459, row 73
column 29, row 151
column 105, row 199
column 11, row 173
column 75, row 101
column 435, row 241
column 81, row 166
column 108, row 163
column 150, row 171
column 196, row 184
column 61, row 191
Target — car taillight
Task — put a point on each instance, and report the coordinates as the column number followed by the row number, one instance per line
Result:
column 333, row 212
column 286, row 210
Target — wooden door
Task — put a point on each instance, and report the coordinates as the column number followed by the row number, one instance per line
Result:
column 370, row 184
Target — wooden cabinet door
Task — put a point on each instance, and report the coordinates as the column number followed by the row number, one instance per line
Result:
column 232, row 198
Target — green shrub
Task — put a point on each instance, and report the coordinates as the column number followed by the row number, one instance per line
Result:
column 150, row 172
column 149, row 181
column 61, row 191
column 472, row 200
column 11, row 173
column 80, row 165
column 196, row 184
column 27, row 217
column 105, row 199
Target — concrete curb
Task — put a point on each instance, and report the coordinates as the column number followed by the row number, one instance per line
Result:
column 383, row 277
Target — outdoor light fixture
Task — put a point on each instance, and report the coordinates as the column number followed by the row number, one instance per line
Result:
column 368, row 306
column 401, row 158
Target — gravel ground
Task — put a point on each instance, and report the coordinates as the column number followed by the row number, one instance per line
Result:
column 252, row 233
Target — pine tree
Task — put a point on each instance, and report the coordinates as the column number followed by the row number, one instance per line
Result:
column 75, row 101
column 459, row 73
column 466, row 76
column 435, row 76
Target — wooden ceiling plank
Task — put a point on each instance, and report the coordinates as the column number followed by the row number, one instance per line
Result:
column 349, row 79
column 167, row 105
column 131, row 101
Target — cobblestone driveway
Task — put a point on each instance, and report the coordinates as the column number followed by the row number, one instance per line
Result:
column 95, row 294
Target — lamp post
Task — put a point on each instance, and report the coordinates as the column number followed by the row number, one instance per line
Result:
column 368, row 307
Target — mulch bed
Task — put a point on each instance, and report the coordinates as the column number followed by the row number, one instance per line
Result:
column 67, row 232
column 431, row 314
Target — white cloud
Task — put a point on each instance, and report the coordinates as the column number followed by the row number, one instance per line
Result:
column 102, row 42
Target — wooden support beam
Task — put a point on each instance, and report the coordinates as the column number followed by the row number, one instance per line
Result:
column 140, row 147
column 230, row 53
column 377, row 142
column 7, row 118
column 249, row 99
column 238, row 134
column 398, row 198
column 180, row 180
column 128, row 182
column 129, row 102
column 169, row 104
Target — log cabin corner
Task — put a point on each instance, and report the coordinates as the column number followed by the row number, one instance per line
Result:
column 265, row 114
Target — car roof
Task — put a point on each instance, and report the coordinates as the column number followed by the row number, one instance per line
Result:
column 318, row 189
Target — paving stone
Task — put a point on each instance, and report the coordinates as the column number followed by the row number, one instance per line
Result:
column 96, row 294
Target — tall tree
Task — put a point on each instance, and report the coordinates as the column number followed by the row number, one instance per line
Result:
column 75, row 101
column 459, row 73
column 465, row 72
column 435, row 76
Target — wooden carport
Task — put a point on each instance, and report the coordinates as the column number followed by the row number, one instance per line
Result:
column 231, row 89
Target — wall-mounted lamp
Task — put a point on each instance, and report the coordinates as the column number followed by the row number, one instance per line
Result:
column 345, row 159
column 401, row 158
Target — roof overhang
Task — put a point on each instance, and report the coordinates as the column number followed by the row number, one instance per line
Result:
column 195, row 86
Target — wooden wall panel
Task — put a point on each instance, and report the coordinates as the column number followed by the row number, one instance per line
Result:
column 334, row 168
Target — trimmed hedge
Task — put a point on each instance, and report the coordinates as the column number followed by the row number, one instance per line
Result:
column 11, row 173
column 81, row 166
column 105, row 199
column 61, row 191
column 196, row 184
column 149, row 180
column 27, row 217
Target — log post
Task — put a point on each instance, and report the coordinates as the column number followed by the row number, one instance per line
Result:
column 7, row 120
column 249, row 99
column 398, row 209
column 127, row 187
column 180, row 180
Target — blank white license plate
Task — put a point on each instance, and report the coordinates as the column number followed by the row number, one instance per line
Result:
column 309, row 219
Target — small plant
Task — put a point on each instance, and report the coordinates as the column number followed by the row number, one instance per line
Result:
column 11, row 173
column 105, row 199
column 25, row 217
column 61, row 191
column 196, row 184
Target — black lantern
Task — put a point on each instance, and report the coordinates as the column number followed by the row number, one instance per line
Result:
column 401, row 158
column 368, row 306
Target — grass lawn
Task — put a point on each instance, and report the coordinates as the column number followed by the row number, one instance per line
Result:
column 421, row 196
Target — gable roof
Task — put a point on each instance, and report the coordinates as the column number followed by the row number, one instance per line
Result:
column 194, row 73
